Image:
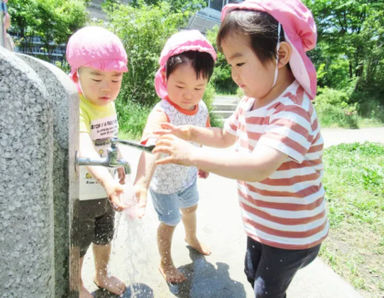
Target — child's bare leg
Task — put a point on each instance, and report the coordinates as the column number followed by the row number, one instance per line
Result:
column 164, row 243
column 101, row 255
column 189, row 221
column 83, row 292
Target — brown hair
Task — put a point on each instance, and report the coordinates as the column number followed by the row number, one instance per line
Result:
column 259, row 26
column 201, row 62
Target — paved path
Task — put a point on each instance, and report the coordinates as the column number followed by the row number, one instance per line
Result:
column 333, row 136
column 135, row 258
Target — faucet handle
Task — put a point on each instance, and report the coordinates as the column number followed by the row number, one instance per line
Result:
column 133, row 144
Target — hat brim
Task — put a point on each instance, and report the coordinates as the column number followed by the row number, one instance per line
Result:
column 302, row 68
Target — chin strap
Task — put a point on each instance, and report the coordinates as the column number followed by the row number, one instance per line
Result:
column 78, row 82
column 277, row 55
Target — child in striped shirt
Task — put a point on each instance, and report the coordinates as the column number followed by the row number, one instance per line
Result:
column 278, row 163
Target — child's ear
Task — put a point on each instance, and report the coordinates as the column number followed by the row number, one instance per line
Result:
column 285, row 52
column 164, row 75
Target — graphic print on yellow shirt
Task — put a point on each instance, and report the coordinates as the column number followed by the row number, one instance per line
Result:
column 100, row 122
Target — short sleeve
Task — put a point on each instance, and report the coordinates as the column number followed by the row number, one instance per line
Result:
column 84, row 122
column 155, row 118
column 232, row 123
column 289, row 131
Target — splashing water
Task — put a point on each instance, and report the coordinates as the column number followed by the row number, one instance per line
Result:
column 130, row 244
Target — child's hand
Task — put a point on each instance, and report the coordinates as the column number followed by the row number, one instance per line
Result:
column 182, row 131
column 179, row 151
column 114, row 190
column 203, row 174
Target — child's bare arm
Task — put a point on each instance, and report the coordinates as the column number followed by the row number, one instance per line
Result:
column 145, row 169
column 255, row 166
column 101, row 174
column 146, row 166
column 208, row 136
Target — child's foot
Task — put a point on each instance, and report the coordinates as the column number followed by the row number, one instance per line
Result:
column 110, row 283
column 83, row 292
column 171, row 274
column 197, row 245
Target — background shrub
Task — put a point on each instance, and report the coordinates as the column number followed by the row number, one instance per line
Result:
column 334, row 107
column 221, row 77
column 144, row 31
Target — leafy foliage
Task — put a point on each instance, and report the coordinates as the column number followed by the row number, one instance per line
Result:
column 350, row 42
column 143, row 31
column 176, row 5
column 132, row 117
column 335, row 107
column 51, row 20
column 221, row 77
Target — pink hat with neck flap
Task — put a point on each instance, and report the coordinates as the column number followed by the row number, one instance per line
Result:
column 300, row 32
column 182, row 41
column 96, row 47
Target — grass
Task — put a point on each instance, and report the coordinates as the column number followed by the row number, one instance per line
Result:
column 369, row 122
column 354, row 183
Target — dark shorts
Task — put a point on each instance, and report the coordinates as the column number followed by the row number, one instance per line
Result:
column 270, row 270
column 96, row 223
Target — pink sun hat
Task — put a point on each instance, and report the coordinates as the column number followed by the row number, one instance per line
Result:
column 300, row 32
column 182, row 41
column 98, row 48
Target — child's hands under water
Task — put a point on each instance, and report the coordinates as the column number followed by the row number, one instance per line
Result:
column 182, row 131
column 178, row 151
column 114, row 191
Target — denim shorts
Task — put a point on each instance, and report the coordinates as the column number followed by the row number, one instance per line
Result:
column 168, row 206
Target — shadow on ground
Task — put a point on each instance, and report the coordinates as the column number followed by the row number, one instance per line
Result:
column 205, row 280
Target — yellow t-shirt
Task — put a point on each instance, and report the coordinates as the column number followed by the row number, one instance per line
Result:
column 100, row 122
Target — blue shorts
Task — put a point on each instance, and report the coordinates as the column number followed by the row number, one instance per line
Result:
column 168, row 206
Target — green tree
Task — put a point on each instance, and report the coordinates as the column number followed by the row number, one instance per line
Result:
column 221, row 77
column 176, row 5
column 143, row 31
column 350, row 41
column 51, row 20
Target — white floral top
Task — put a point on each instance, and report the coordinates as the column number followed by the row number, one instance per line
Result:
column 172, row 178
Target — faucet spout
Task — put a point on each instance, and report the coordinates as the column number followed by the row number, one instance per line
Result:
column 111, row 161
column 85, row 161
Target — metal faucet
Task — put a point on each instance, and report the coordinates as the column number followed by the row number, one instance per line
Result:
column 111, row 160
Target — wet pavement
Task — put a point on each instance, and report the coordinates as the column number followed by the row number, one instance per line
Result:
column 135, row 258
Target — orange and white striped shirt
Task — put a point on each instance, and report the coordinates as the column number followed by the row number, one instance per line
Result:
column 287, row 209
